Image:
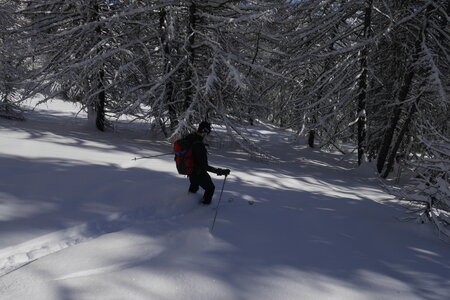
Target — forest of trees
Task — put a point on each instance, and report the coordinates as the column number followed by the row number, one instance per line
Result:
column 372, row 73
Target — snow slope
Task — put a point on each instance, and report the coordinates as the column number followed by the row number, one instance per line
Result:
column 79, row 219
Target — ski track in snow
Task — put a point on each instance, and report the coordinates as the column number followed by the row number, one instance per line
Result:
column 15, row 257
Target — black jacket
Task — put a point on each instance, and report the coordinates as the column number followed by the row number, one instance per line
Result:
column 200, row 154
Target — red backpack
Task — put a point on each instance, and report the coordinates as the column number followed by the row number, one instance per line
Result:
column 183, row 156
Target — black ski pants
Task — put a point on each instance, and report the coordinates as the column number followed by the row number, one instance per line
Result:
column 204, row 181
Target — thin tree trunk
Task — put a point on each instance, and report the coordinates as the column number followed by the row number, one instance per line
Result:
column 311, row 137
column 100, row 103
column 398, row 142
column 101, row 98
column 404, row 90
column 168, row 92
column 389, row 134
column 189, row 82
column 362, row 97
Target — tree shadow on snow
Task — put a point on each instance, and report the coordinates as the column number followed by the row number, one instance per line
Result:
column 297, row 227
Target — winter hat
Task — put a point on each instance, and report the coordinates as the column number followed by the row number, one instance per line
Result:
column 204, row 127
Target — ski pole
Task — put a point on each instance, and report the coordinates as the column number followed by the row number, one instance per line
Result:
column 218, row 203
column 152, row 156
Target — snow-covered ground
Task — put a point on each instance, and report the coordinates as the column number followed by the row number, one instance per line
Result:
column 80, row 219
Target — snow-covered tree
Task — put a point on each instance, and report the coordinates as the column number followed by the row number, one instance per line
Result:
column 79, row 47
column 323, row 58
column 10, row 63
column 395, row 64
column 421, row 136
column 169, row 62
column 372, row 73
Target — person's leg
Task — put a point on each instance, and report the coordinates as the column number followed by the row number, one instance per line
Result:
column 193, row 187
column 206, row 183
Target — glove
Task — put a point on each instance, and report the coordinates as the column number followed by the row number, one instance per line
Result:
column 225, row 172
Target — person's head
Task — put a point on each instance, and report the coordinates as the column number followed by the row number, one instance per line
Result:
column 204, row 128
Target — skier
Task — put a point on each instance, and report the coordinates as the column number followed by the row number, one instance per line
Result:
column 200, row 176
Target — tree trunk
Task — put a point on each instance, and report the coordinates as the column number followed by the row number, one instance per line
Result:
column 101, row 98
column 398, row 142
column 389, row 134
column 100, row 103
column 189, row 84
column 311, row 137
column 362, row 97
column 406, row 87
column 169, row 89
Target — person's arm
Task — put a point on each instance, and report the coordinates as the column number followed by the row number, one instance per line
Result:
column 201, row 160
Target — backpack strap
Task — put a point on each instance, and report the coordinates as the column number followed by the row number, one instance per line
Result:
column 182, row 152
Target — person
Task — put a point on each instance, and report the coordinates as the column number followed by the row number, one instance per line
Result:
column 200, row 177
